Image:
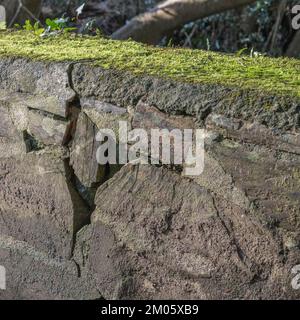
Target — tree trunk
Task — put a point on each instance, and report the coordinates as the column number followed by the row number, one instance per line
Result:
column 15, row 14
column 294, row 47
column 152, row 26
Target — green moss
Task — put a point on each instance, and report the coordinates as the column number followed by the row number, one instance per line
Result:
column 278, row 76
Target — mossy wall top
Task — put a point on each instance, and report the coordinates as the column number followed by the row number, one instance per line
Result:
column 274, row 75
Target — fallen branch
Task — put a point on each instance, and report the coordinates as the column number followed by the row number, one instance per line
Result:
column 152, row 26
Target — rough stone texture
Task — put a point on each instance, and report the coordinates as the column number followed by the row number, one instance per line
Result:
column 148, row 117
column 89, row 173
column 174, row 239
column 95, row 115
column 22, row 119
column 267, row 182
column 125, row 89
column 105, row 115
column 31, row 274
column 83, row 152
column 12, row 141
column 102, row 262
column 230, row 233
column 254, row 133
column 47, row 82
column 38, row 203
column 45, row 129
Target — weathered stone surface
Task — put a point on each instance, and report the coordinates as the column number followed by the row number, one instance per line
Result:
column 32, row 274
column 10, row 148
column 268, row 178
column 38, row 203
column 104, row 115
column 20, row 119
column 83, row 158
column 262, row 181
column 101, row 107
column 84, row 147
column 102, row 262
column 232, row 232
column 254, row 133
column 11, row 141
column 216, row 179
column 126, row 90
column 47, row 82
column 46, row 129
column 148, row 117
column 171, row 129
column 171, row 238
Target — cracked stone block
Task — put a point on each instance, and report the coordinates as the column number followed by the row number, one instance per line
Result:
column 19, row 119
column 83, row 152
column 33, row 275
column 101, row 262
column 216, row 179
column 148, row 118
column 166, row 237
column 83, row 159
column 47, row 82
column 268, row 178
column 12, row 141
column 104, row 115
column 47, row 129
column 255, row 133
column 223, row 122
column 262, row 181
column 38, row 202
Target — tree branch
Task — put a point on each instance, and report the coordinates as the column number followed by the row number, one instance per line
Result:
column 152, row 26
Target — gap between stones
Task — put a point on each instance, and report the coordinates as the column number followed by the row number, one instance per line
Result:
column 73, row 109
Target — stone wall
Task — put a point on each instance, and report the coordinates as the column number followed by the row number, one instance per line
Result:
column 72, row 229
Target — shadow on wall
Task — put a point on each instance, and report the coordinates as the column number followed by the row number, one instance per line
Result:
column 2, row 18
